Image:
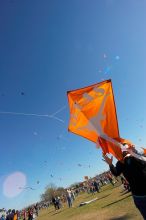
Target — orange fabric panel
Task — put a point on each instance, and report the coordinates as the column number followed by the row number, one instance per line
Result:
column 93, row 111
column 122, row 141
column 112, row 148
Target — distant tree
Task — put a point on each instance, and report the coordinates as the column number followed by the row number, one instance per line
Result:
column 74, row 185
column 60, row 191
column 50, row 191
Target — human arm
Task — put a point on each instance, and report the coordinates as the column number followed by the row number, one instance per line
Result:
column 116, row 170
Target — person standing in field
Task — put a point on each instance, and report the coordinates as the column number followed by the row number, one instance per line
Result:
column 24, row 214
column 134, row 170
column 69, row 198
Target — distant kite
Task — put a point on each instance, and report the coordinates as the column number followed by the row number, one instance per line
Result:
column 26, row 188
column 104, row 56
column 79, row 164
column 117, row 57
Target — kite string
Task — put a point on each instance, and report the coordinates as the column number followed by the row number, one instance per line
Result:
column 59, row 110
column 25, row 114
column 37, row 115
column 58, row 119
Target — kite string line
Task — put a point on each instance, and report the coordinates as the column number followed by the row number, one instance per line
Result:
column 59, row 110
column 37, row 115
column 58, row 119
column 25, row 114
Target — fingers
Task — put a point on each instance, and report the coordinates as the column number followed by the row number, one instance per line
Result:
column 103, row 154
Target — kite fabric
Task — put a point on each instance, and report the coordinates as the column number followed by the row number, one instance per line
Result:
column 93, row 116
column 93, row 111
column 113, row 146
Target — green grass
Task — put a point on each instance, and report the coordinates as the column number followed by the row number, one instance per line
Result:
column 111, row 204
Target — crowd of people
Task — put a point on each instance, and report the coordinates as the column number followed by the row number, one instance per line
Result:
column 93, row 185
column 67, row 197
column 131, row 170
column 25, row 214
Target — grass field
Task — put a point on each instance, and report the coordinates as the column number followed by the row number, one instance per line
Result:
column 112, row 204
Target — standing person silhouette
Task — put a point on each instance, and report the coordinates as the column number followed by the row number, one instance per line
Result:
column 134, row 170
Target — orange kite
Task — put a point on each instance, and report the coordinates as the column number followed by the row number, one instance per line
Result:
column 93, row 111
column 93, row 115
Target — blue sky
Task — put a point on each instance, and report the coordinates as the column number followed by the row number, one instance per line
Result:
column 46, row 49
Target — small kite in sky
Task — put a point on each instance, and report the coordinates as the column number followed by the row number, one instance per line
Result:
column 35, row 133
column 107, row 70
column 59, row 137
column 104, row 56
column 117, row 57
column 45, row 163
column 26, row 188
column 79, row 165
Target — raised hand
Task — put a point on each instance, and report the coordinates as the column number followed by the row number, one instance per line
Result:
column 107, row 159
